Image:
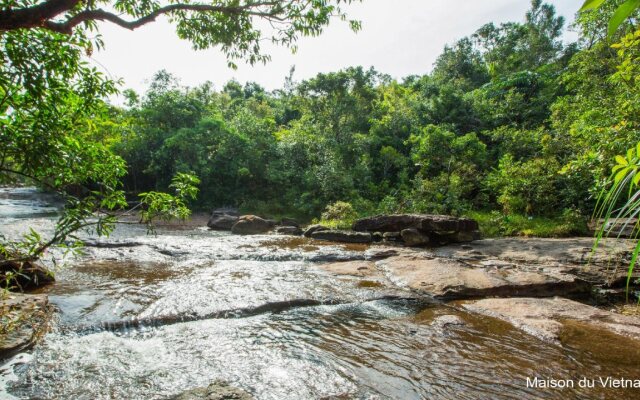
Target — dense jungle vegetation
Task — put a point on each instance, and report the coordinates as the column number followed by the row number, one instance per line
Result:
column 512, row 126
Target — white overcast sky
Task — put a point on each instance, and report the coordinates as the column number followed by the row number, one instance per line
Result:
column 399, row 37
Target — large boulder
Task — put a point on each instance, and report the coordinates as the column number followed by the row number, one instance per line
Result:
column 423, row 222
column 222, row 222
column 222, row 219
column 343, row 236
column 387, row 223
column 420, row 229
column 218, row 390
column 251, row 225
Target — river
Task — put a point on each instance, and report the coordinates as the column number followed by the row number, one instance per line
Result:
column 148, row 316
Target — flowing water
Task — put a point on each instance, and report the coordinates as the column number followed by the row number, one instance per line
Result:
column 144, row 316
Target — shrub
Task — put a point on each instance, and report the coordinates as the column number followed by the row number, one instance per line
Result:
column 340, row 210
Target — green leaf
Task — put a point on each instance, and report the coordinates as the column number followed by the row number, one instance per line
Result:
column 621, row 160
column 621, row 14
column 621, row 175
column 591, row 4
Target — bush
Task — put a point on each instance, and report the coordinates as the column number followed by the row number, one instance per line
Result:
column 525, row 187
column 497, row 224
column 340, row 210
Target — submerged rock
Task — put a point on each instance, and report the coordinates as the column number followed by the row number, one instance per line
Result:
column 342, row 236
column 363, row 269
column 251, row 225
column 24, row 320
column 218, row 390
column 546, row 318
column 445, row 321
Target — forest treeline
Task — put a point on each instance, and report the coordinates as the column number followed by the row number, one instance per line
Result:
column 510, row 119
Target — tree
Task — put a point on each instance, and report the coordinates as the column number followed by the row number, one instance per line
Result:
column 514, row 47
column 50, row 99
column 231, row 24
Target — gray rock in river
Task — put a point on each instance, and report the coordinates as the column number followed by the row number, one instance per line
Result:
column 440, row 229
column 25, row 318
column 413, row 237
column 222, row 219
column 222, row 222
column 251, row 225
column 343, row 236
column 314, row 228
column 218, row 390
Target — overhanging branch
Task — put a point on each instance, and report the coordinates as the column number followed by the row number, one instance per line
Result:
column 42, row 15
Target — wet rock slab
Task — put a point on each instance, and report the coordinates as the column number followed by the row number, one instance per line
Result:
column 218, row 390
column 449, row 279
column 23, row 318
column 607, row 267
column 546, row 318
column 342, row 236
column 362, row 269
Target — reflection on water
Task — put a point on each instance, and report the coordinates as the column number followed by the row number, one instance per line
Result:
column 362, row 348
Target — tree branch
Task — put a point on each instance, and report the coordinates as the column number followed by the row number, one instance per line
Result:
column 34, row 16
column 41, row 15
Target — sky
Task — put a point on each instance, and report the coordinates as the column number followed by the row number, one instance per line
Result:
column 398, row 37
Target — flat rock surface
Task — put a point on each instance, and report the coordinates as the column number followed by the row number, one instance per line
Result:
column 449, row 279
column 546, row 318
column 342, row 236
column 542, row 251
column 606, row 267
column 363, row 269
column 23, row 319
column 216, row 391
